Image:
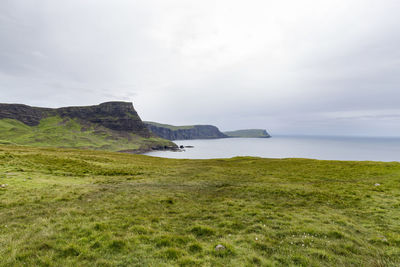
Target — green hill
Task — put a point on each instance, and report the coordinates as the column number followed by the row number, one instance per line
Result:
column 58, row 132
column 68, row 207
column 113, row 126
column 249, row 133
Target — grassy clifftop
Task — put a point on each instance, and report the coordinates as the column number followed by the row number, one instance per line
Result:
column 168, row 126
column 66, row 132
column 62, row 207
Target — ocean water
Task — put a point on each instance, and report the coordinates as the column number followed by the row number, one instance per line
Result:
column 314, row 147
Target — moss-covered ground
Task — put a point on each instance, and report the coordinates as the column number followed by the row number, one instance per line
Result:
column 72, row 133
column 66, row 207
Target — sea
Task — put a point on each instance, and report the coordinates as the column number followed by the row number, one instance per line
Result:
column 312, row 147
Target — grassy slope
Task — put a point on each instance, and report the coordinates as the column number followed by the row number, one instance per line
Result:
column 171, row 127
column 79, row 208
column 54, row 131
column 252, row 133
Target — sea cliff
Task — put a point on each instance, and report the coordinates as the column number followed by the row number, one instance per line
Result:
column 171, row 132
column 112, row 126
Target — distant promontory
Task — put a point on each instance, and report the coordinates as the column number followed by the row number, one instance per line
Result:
column 187, row 132
column 249, row 133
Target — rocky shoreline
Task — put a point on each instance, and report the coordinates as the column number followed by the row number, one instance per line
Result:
column 180, row 148
column 157, row 148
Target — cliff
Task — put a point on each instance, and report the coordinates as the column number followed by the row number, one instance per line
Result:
column 171, row 132
column 249, row 133
column 119, row 116
column 30, row 116
column 110, row 126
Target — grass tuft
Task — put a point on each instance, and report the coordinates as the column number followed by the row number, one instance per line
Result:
column 202, row 231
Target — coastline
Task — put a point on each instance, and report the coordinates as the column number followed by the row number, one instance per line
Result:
column 332, row 148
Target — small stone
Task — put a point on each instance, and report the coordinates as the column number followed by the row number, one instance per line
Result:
column 219, row 247
column 377, row 184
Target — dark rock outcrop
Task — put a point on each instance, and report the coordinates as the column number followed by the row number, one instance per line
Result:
column 186, row 132
column 29, row 115
column 118, row 116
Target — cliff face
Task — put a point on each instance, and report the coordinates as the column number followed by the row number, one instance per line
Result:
column 29, row 115
column 185, row 132
column 118, row 116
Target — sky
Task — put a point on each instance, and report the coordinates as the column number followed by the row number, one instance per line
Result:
column 311, row 67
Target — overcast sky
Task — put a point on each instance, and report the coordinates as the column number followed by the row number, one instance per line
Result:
column 289, row 66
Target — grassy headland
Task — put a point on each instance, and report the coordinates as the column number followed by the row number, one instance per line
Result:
column 68, row 207
column 55, row 131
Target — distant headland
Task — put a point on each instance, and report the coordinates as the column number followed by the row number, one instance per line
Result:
column 249, row 133
column 187, row 132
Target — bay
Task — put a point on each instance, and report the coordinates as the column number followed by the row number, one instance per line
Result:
column 313, row 147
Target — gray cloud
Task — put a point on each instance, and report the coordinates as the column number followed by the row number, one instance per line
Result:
column 288, row 66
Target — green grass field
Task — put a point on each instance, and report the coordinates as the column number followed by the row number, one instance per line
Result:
column 70, row 133
column 68, row 207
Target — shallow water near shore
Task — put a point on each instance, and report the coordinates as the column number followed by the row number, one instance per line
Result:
column 313, row 147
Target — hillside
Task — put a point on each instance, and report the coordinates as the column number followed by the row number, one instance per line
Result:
column 64, row 207
column 171, row 132
column 249, row 133
column 111, row 126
